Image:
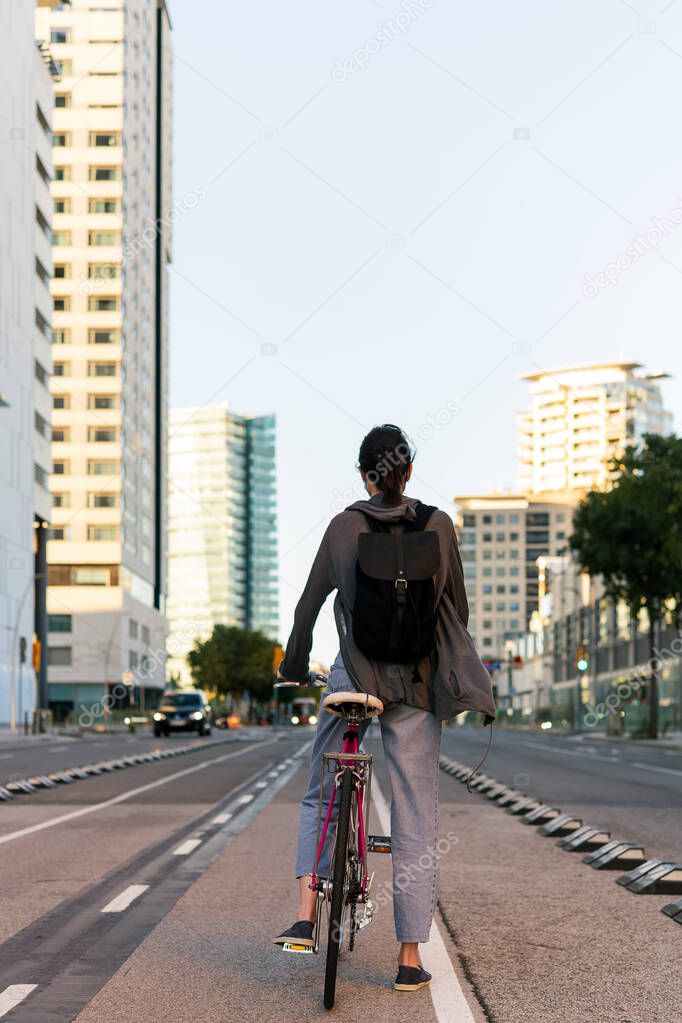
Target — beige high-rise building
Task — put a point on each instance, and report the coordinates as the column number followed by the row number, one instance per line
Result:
column 111, row 246
column 579, row 418
column 501, row 536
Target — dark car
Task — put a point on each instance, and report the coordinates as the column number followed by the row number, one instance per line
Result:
column 183, row 710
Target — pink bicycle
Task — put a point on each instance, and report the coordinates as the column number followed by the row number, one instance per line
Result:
column 344, row 895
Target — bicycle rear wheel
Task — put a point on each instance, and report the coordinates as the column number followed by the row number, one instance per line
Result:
column 339, row 893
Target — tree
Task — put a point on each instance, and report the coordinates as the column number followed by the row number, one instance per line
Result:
column 233, row 660
column 631, row 536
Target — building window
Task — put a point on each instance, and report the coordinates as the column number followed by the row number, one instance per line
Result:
column 60, row 35
column 99, row 533
column 514, row 518
column 103, row 271
column 102, row 238
column 40, row 476
column 487, row 520
column 103, row 174
column 102, row 337
column 468, row 520
column 60, row 139
column 62, row 173
column 100, row 304
column 61, row 337
column 99, row 139
column 103, row 206
column 59, row 623
column 61, row 303
column 102, row 401
column 60, row 434
column 132, row 628
column 61, row 369
column 60, row 500
column 101, row 500
column 58, row 533
column 61, row 401
column 513, row 537
column 487, row 588
column 97, row 467
column 487, row 641
column 145, row 635
column 62, row 100
column 500, row 518
column 102, row 434
column 62, row 270
column 59, row 656
column 91, row 577
column 487, row 537
column 102, row 369
column 61, row 238
column 60, row 468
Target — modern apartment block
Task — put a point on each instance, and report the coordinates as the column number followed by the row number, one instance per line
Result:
column 579, row 418
column 501, row 537
column 222, row 527
column 111, row 247
column 25, row 352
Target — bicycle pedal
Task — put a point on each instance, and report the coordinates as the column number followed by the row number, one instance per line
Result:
column 298, row 949
column 379, row 843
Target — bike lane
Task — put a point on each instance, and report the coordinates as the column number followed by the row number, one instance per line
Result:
column 211, row 957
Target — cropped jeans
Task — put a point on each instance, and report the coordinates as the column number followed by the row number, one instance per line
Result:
column 411, row 741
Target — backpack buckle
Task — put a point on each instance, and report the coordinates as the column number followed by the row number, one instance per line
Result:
column 401, row 584
column 401, row 591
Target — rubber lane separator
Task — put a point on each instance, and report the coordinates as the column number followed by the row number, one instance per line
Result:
column 13, row 996
column 222, row 818
column 127, row 896
column 187, row 847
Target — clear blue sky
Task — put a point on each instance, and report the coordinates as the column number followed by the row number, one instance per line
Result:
column 407, row 213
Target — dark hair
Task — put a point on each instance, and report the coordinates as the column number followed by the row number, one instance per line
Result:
column 385, row 456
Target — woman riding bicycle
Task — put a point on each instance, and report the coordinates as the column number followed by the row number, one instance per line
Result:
column 444, row 681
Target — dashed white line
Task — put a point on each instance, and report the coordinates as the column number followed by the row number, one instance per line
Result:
column 222, row 818
column 187, row 847
column 446, row 993
column 261, row 784
column 93, row 808
column 128, row 895
column 56, row 749
column 663, row 770
column 13, row 995
column 246, row 798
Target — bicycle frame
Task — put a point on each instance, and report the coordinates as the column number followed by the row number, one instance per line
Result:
column 349, row 759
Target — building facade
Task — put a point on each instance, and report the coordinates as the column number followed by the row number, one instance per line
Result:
column 111, row 246
column 501, row 537
column 579, row 418
column 25, row 353
column 222, row 527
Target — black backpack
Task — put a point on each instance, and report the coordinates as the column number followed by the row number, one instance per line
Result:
column 394, row 618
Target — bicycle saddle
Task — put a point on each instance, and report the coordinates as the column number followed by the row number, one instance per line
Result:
column 365, row 706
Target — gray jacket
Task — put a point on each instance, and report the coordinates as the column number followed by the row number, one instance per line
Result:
column 453, row 678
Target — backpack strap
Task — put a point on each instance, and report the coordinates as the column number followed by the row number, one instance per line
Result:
column 423, row 513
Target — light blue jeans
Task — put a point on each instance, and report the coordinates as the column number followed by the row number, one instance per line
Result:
column 411, row 741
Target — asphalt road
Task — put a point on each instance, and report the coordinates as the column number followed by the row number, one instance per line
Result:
column 152, row 893
column 633, row 792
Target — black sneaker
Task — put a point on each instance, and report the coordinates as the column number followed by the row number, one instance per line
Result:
column 411, row 978
column 301, row 933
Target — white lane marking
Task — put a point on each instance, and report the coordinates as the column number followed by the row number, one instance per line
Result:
column 6, row 756
column 448, row 999
column 663, row 770
column 245, row 799
column 13, row 995
column 187, row 847
column 261, row 784
column 570, row 752
column 122, row 901
column 53, row 821
column 222, row 818
column 56, row 749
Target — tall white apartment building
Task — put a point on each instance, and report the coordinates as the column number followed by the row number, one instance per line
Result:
column 501, row 537
column 579, row 418
column 111, row 246
column 222, row 527
column 25, row 352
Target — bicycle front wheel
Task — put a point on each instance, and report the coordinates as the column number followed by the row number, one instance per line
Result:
column 339, row 893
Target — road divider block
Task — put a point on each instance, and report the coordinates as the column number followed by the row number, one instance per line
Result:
column 5, row 794
column 564, row 824
column 674, row 910
column 616, row 855
column 540, row 814
column 525, row 804
column 654, row 877
column 584, row 839
column 509, row 797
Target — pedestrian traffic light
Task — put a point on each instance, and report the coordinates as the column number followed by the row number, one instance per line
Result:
column 582, row 661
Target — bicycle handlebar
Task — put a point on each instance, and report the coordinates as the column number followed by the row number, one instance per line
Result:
column 315, row 680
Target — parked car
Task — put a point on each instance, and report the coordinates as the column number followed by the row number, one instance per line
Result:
column 183, row 710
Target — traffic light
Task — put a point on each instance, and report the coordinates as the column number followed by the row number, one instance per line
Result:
column 582, row 660
column 37, row 651
column 277, row 655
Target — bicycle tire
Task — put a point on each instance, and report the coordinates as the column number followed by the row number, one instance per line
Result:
column 338, row 878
